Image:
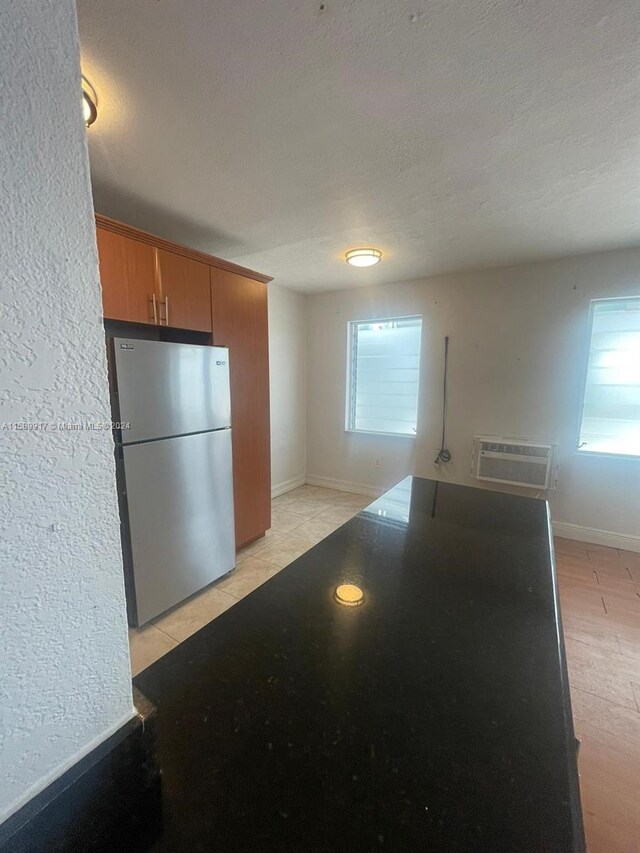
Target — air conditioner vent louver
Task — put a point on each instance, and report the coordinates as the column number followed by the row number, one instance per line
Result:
column 518, row 462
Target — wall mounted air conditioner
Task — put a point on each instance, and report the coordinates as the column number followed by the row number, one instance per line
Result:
column 517, row 462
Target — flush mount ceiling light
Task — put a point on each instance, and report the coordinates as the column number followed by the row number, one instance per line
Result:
column 89, row 102
column 349, row 595
column 363, row 257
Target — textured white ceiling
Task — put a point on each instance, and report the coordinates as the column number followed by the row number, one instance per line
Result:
column 451, row 134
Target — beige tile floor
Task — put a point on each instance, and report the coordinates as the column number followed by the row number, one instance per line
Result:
column 600, row 595
column 299, row 519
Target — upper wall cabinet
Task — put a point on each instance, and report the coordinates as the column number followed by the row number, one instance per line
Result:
column 146, row 279
column 128, row 276
column 185, row 294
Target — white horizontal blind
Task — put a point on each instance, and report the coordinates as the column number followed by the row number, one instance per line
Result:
column 384, row 375
column 611, row 414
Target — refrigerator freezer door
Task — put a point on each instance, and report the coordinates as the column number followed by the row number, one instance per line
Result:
column 166, row 389
column 180, row 498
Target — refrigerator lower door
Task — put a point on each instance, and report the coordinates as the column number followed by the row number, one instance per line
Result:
column 179, row 493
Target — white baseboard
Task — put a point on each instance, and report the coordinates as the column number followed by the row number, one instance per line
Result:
column 624, row 541
column 287, row 486
column 344, row 486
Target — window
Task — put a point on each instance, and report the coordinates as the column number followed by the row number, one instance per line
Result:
column 611, row 410
column 383, row 375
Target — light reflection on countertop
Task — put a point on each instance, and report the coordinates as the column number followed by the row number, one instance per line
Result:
column 394, row 505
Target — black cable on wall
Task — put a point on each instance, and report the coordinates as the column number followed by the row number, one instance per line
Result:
column 444, row 455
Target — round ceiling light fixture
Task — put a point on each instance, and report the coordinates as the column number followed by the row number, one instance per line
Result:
column 89, row 102
column 349, row 595
column 363, row 257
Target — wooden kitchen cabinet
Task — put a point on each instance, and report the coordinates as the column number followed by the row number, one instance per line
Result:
column 184, row 292
column 128, row 277
column 239, row 306
column 146, row 279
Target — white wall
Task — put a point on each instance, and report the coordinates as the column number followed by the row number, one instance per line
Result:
column 518, row 338
column 287, row 368
column 64, row 674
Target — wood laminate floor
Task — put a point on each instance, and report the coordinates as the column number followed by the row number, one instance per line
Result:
column 600, row 599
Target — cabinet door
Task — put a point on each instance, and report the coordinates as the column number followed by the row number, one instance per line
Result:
column 239, row 307
column 128, row 277
column 185, row 292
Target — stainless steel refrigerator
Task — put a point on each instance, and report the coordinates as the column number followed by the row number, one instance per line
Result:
column 172, row 409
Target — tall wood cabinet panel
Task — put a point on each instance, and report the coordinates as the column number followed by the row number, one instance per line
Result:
column 128, row 277
column 185, row 293
column 239, row 311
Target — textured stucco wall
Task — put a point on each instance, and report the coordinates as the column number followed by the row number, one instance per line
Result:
column 288, row 386
column 64, row 670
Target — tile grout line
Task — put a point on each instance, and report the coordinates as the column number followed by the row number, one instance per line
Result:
column 173, row 639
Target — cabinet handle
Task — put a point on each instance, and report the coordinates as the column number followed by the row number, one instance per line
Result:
column 155, row 309
column 166, row 310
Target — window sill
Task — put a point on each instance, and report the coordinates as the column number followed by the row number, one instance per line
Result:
column 375, row 432
column 609, row 455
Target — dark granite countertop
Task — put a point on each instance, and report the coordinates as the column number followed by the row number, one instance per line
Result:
column 434, row 717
